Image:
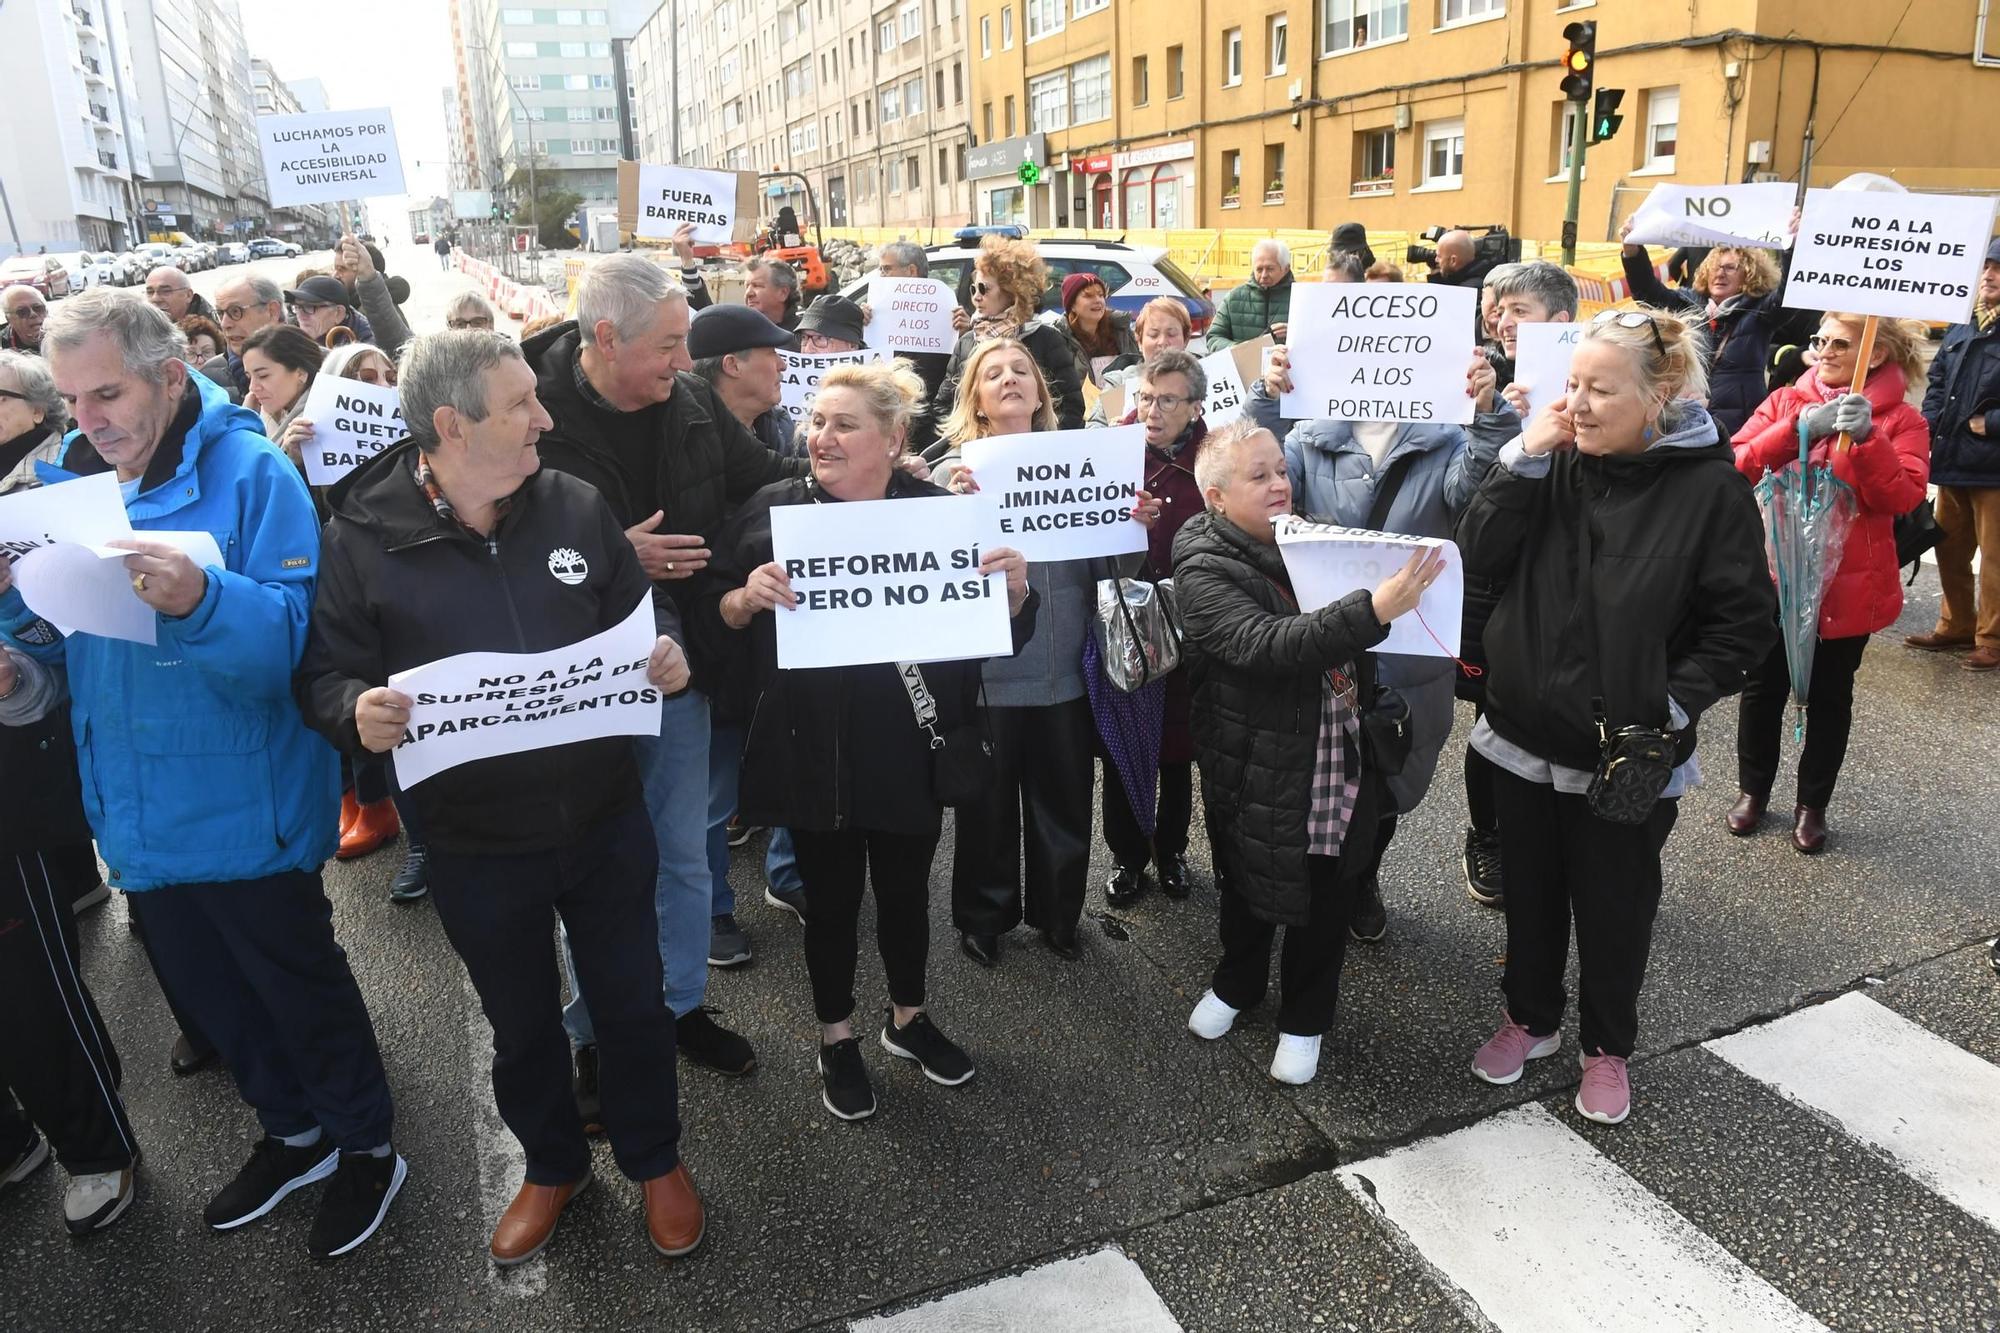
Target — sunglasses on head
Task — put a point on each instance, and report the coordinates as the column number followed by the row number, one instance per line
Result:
column 1634, row 319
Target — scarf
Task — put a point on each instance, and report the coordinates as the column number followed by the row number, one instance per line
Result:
column 1984, row 315
column 989, row 327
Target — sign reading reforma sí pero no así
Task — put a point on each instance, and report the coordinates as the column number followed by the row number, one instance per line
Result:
column 326, row 156
column 1380, row 352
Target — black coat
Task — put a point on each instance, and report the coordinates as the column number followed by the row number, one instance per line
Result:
column 44, row 805
column 1255, row 664
column 1964, row 382
column 833, row 747
column 400, row 586
column 1054, row 351
column 1683, row 597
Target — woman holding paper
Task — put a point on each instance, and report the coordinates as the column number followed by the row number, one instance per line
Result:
column 843, row 756
column 1888, row 469
column 1285, row 765
column 1008, row 280
column 1637, row 597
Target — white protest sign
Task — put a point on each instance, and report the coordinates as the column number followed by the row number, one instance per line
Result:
column 1380, row 352
column 911, row 315
column 1541, row 361
column 890, row 581
column 1326, row 563
column 478, row 705
column 671, row 196
column 799, row 380
column 89, row 511
column 1907, row 256
column 87, row 589
column 326, row 156
column 1758, row 215
column 352, row 422
column 1230, row 375
column 1064, row 494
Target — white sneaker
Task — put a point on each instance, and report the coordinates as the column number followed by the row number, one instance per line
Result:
column 1297, row 1059
column 93, row 1202
column 1211, row 1017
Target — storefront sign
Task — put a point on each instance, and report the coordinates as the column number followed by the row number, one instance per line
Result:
column 1004, row 157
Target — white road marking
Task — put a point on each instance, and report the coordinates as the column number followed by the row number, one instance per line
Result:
column 502, row 1164
column 1541, row 1232
column 1104, row 1292
column 1931, row 1106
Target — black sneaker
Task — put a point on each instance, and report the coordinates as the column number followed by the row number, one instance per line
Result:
column 789, row 900
column 356, row 1202
column 1371, row 919
column 583, row 1087
column 706, row 1042
column 1126, row 886
column 727, row 944
column 1482, row 868
column 921, row 1041
column 843, row 1081
column 413, row 881
column 273, row 1171
column 20, row 1163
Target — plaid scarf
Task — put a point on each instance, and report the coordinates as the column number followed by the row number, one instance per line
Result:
column 427, row 483
column 1336, row 783
column 1984, row 315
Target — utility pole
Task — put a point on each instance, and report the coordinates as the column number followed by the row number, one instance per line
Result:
column 1578, row 70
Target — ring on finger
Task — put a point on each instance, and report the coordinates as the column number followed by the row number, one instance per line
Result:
column 138, row 583
column 670, row 566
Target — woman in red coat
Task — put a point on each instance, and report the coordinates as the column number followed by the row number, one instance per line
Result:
column 1888, row 467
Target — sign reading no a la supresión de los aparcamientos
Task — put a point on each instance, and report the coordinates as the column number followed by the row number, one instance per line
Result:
column 1380, row 352
column 326, row 156
column 1905, row 256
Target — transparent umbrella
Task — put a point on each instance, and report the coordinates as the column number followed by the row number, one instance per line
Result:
column 1807, row 514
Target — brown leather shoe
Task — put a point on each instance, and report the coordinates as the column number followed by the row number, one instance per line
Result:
column 674, row 1216
column 1935, row 642
column 1746, row 814
column 1809, row 829
column 1982, row 659
column 531, row 1220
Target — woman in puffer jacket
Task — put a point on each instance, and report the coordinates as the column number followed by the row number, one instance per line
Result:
column 1888, row 468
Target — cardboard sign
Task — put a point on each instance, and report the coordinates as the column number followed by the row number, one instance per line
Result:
column 911, row 315
column 1380, row 352
column 1326, row 563
column 1541, row 361
column 1064, row 494
column 326, row 156
column 478, row 705
column 1677, row 215
column 799, row 380
column 655, row 200
column 890, row 581
column 352, row 422
column 1230, row 373
column 1908, row 256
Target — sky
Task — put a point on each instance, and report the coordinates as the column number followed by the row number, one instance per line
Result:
column 370, row 53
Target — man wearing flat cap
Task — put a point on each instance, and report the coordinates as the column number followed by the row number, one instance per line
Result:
column 736, row 350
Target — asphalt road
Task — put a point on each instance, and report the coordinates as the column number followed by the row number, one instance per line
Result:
column 1789, row 1163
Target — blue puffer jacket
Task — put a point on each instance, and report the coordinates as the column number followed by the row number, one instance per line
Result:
column 196, row 766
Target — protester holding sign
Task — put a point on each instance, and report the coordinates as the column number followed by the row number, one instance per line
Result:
column 1601, row 665
column 1888, row 468
column 906, row 259
column 844, row 757
column 456, row 541
column 1287, row 769
column 280, row 363
column 1008, row 279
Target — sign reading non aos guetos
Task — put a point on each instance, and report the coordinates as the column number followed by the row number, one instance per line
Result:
column 352, row 422
column 326, row 156
column 1380, row 352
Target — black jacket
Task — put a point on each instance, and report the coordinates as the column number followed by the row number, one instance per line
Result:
column 706, row 463
column 1683, row 598
column 400, row 586
column 44, row 805
column 1255, row 667
column 1054, row 351
column 1965, row 382
column 834, row 747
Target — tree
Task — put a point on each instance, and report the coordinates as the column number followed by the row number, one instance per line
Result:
column 551, row 211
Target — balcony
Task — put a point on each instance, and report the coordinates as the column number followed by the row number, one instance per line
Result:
column 93, row 67
column 109, row 160
column 102, row 114
column 84, row 18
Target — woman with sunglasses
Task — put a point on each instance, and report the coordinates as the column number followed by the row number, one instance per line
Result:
column 1007, row 285
column 1888, row 468
column 1637, row 596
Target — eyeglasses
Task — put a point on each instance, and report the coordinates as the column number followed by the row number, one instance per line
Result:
column 1820, row 343
column 35, row 311
column 980, row 287
column 162, row 291
column 232, row 313
column 1166, row 402
column 310, row 307
column 17, row 397
column 1634, row 319
column 476, row 322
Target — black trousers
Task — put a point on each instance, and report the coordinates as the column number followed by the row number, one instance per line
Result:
column 55, row 1053
column 1762, row 716
column 1563, row 864
column 1172, row 813
column 837, row 869
column 1479, row 771
column 255, row 964
column 499, row 912
column 1308, row 965
column 1041, row 789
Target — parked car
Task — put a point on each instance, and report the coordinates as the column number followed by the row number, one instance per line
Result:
column 100, row 269
column 233, row 252
column 196, row 259
column 155, row 253
column 266, row 247
column 45, row 273
column 135, row 266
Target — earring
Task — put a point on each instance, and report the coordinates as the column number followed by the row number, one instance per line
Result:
column 1647, row 436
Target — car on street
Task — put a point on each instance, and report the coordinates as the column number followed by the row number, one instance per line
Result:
column 155, row 253
column 232, row 252
column 196, row 259
column 45, row 273
column 265, row 247
column 99, row 268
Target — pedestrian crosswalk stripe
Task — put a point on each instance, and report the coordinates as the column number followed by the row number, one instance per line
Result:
column 1102, row 1292
column 1542, row 1232
column 1931, row 1106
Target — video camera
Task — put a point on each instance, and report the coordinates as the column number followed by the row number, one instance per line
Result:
column 1490, row 243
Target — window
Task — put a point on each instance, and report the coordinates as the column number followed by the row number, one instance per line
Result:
column 892, row 105
column 1274, row 173
column 1138, row 80
column 1176, row 74
column 570, row 18
column 572, row 50
column 913, row 21
column 943, row 167
column 1010, row 116
column 885, row 37
column 1465, row 11
column 1375, row 161
column 1348, row 25
column 938, row 101
column 957, row 84
column 1090, row 6
column 1045, row 18
column 580, row 113
column 1232, row 57
column 517, row 16
column 1663, row 117
column 1007, row 31
column 913, row 96
column 1048, row 102
column 600, row 81
column 1566, row 116
column 1444, row 155
column 577, row 83
column 526, row 83
column 912, row 173
column 1276, row 29
column 523, row 50
column 1090, row 90
column 1232, row 178
column 986, row 122
column 986, row 35
column 895, row 176
column 854, row 119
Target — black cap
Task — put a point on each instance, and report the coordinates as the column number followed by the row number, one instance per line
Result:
column 722, row 329
column 835, row 317
column 319, row 290
column 1993, row 251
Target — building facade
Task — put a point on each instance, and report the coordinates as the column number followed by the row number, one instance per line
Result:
column 193, row 79
column 310, row 225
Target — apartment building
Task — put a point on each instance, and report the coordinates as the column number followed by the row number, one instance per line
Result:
column 308, row 224
column 192, row 74
column 860, row 109
column 1405, row 113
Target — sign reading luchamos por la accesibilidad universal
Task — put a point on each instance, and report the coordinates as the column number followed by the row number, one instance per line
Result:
column 326, row 156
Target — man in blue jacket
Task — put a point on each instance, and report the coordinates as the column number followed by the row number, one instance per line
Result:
column 212, row 803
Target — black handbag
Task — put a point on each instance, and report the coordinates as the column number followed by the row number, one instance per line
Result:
column 962, row 766
column 1385, row 719
column 1634, row 763
column 1917, row 534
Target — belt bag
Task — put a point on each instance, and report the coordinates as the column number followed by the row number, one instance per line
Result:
column 962, row 767
column 1634, row 763
column 1137, row 628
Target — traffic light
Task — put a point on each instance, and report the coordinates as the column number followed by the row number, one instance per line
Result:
column 1605, row 120
column 1580, row 61
column 499, row 210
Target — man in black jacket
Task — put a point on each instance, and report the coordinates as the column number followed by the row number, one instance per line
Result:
column 408, row 576
column 671, row 459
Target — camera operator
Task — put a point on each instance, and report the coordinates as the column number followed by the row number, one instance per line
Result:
column 1460, row 261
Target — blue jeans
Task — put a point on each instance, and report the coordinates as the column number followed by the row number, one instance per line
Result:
column 725, row 769
column 781, row 864
column 674, row 772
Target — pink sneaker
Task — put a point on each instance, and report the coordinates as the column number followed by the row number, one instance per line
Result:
column 1508, row 1051
column 1605, row 1095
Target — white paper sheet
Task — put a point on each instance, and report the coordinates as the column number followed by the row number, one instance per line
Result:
column 1327, row 563
column 88, row 590
column 1064, row 494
